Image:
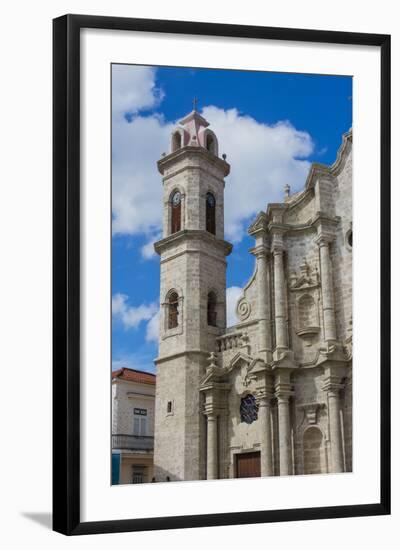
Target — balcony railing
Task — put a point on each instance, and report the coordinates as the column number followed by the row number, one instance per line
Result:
column 229, row 341
column 133, row 442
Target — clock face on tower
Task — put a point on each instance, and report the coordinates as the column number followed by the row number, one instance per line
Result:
column 176, row 199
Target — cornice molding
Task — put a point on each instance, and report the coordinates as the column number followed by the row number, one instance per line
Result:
column 193, row 167
column 334, row 169
column 264, row 221
column 259, row 224
column 188, row 150
column 164, row 358
column 192, row 234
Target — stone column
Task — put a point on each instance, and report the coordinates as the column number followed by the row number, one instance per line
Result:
column 264, row 417
column 335, row 429
column 264, row 315
column 328, row 302
column 280, row 296
column 285, row 447
column 212, row 446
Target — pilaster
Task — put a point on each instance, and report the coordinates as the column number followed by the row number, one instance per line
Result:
column 281, row 339
column 283, row 393
column 215, row 410
column 261, row 373
column 212, row 444
column 333, row 385
column 262, row 254
column 328, row 298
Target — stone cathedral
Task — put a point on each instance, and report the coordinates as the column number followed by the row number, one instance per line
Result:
column 271, row 395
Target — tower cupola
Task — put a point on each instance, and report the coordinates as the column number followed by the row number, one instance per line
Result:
column 194, row 131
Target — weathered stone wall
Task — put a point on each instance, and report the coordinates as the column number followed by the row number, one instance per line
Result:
column 303, row 264
column 193, row 269
column 348, row 423
column 302, row 211
column 248, row 303
column 309, row 406
column 309, row 409
column 342, row 251
column 301, row 247
column 169, row 440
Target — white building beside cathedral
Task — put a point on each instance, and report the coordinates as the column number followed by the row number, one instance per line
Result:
column 271, row 395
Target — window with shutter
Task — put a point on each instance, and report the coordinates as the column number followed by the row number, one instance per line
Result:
column 140, row 422
column 173, row 310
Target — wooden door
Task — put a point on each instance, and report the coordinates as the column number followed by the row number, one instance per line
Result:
column 248, row 465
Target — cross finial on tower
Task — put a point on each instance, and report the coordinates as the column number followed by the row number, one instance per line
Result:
column 195, row 101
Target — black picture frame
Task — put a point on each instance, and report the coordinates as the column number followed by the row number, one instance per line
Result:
column 66, row 273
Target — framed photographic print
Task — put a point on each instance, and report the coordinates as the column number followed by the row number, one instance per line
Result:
column 221, row 339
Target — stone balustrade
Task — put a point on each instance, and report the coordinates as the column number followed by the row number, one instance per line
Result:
column 229, row 341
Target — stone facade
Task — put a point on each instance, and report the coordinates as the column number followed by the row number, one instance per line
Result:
column 271, row 395
column 133, row 404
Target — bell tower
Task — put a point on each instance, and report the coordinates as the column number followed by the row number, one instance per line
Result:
column 192, row 294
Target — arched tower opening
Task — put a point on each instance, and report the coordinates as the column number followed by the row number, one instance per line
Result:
column 176, row 141
column 209, row 141
column 210, row 144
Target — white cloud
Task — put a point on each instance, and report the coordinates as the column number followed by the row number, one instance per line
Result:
column 147, row 249
column 263, row 159
column 131, row 316
column 133, row 88
column 137, row 144
column 233, row 294
column 152, row 329
column 136, row 183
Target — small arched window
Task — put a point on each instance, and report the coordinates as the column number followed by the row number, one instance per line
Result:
column 210, row 213
column 176, row 211
column 212, row 309
column 173, row 310
column 176, row 141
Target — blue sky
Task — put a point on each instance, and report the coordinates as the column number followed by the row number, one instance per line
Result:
column 272, row 126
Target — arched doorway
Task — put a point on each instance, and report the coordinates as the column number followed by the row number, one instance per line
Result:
column 313, row 450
